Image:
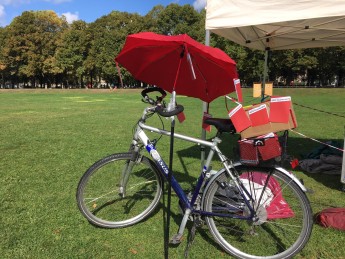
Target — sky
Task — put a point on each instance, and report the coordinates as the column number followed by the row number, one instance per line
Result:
column 87, row 10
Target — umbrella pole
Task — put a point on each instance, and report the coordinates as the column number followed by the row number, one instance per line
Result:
column 171, row 155
column 167, row 230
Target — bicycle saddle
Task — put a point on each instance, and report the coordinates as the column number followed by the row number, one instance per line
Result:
column 222, row 125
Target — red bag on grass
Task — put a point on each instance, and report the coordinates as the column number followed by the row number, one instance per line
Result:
column 332, row 218
column 272, row 198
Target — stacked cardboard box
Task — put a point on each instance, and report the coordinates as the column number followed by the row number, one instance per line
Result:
column 272, row 116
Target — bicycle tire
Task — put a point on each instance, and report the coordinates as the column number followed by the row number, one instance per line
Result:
column 269, row 238
column 100, row 197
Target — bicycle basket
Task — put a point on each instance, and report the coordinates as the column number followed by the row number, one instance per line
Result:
column 254, row 150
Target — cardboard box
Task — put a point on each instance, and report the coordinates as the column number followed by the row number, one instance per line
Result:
column 269, row 127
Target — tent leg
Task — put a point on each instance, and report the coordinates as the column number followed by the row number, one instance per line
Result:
column 204, row 109
column 343, row 167
column 203, row 136
column 264, row 76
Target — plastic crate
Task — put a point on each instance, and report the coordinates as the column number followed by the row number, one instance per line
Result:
column 254, row 150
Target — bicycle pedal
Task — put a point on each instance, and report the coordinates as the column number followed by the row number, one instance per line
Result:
column 176, row 239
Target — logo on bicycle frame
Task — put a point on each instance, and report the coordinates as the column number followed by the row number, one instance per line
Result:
column 155, row 155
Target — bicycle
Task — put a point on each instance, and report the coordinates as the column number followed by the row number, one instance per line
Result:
column 122, row 189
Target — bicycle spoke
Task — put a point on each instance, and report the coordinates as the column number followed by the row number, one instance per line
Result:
column 99, row 197
column 102, row 202
column 277, row 230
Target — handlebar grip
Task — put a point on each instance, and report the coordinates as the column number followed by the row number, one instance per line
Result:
column 178, row 109
column 153, row 89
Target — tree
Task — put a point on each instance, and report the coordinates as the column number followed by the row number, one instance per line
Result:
column 2, row 57
column 40, row 47
column 72, row 52
column 108, row 36
column 176, row 19
column 152, row 17
column 31, row 45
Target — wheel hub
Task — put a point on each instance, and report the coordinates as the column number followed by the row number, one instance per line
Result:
column 260, row 216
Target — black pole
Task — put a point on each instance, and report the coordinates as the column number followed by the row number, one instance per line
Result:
column 167, row 230
column 166, row 236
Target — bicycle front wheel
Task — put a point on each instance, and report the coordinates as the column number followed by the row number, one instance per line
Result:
column 118, row 192
column 282, row 223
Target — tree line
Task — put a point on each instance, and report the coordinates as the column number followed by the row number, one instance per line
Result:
column 40, row 49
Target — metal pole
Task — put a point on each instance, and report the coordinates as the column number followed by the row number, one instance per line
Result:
column 264, row 76
column 171, row 156
column 343, row 167
column 204, row 109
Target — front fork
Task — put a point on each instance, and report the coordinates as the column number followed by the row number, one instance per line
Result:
column 127, row 169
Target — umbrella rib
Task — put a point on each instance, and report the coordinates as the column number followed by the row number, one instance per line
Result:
column 198, row 68
column 203, row 77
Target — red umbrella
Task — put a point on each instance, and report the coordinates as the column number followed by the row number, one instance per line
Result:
column 179, row 63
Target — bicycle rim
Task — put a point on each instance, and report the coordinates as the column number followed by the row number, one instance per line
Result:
column 106, row 202
column 278, row 232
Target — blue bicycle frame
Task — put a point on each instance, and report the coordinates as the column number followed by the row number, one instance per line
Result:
column 140, row 136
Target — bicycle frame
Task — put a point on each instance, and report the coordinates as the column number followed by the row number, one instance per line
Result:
column 141, row 136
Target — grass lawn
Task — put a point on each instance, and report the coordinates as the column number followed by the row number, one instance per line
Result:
column 48, row 138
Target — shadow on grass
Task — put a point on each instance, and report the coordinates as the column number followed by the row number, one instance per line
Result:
column 296, row 148
column 187, row 235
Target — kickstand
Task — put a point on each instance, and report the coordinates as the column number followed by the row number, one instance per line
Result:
column 191, row 236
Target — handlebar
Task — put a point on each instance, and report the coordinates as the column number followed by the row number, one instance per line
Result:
column 160, row 108
column 150, row 90
column 161, row 111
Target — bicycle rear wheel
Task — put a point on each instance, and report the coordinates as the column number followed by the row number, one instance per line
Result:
column 117, row 192
column 284, row 218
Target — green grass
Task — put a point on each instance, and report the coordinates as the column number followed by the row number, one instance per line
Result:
column 48, row 138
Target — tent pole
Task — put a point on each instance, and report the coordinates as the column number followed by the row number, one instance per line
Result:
column 342, row 179
column 204, row 109
column 264, row 76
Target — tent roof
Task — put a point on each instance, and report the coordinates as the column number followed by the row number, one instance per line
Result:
column 278, row 24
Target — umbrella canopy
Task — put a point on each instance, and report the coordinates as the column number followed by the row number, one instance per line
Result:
column 179, row 63
column 278, row 24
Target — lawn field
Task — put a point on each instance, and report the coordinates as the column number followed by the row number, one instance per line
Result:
column 48, row 139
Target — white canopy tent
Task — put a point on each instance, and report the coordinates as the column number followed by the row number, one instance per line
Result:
column 278, row 25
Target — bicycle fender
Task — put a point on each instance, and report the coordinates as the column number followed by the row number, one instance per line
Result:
column 287, row 173
column 278, row 168
column 292, row 176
